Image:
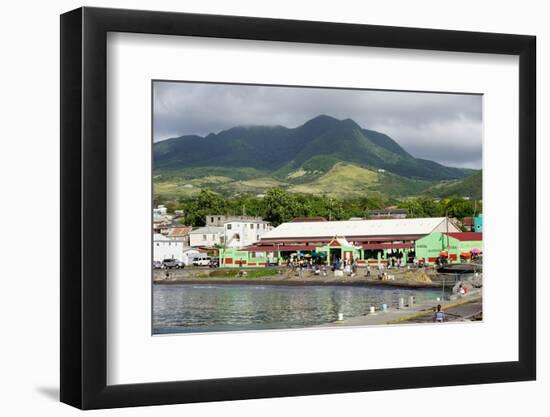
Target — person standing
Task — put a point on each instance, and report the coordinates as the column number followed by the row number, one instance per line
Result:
column 439, row 315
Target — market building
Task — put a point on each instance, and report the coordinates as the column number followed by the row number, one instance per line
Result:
column 366, row 241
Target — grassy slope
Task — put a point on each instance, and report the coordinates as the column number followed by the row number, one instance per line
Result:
column 339, row 180
column 468, row 187
column 351, row 180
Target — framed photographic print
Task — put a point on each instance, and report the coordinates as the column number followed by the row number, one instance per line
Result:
column 257, row 208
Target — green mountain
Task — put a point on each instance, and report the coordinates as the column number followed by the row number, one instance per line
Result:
column 318, row 144
column 470, row 186
column 323, row 156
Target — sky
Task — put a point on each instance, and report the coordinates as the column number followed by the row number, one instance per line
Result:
column 446, row 128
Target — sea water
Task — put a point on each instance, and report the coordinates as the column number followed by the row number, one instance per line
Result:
column 190, row 308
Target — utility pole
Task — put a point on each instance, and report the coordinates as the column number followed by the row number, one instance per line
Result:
column 447, row 226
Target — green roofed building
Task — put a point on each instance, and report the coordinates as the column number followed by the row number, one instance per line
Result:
column 457, row 245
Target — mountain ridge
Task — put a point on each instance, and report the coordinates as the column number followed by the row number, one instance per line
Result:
column 280, row 150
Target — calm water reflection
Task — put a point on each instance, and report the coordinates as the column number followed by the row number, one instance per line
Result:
column 187, row 308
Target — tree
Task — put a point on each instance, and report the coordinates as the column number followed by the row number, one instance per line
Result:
column 280, row 206
column 457, row 207
column 204, row 204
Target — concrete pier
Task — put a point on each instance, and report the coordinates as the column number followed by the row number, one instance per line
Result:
column 408, row 315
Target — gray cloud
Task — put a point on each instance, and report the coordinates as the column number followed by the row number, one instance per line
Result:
column 446, row 128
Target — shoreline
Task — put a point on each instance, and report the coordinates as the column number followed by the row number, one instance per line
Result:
column 412, row 314
column 297, row 282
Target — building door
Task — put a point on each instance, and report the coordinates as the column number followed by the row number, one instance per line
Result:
column 335, row 253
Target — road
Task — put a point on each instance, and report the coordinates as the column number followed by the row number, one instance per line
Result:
column 464, row 312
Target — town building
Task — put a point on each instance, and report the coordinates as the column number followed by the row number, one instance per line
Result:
column 455, row 246
column 473, row 224
column 366, row 241
column 308, row 219
column 179, row 233
column 219, row 220
column 478, row 223
column 240, row 233
column 166, row 248
column 206, row 237
column 388, row 213
column 160, row 210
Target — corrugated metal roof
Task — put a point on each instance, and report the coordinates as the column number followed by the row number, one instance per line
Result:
column 280, row 248
column 351, row 228
column 356, row 239
column 308, row 219
column 207, row 230
column 178, row 231
column 466, row 236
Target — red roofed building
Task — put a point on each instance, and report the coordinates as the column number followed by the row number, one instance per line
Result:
column 460, row 246
column 367, row 241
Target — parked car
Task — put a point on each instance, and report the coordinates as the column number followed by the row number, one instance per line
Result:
column 214, row 263
column 172, row 264
column 157, row 265
column 202, row 261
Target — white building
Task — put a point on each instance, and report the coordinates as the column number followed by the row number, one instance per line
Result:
column 165, row 248
column 221, row 219
column 239, row 233
column 208, row 237
column 160, row 210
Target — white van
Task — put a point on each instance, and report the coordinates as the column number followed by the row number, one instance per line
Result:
column 201, row 261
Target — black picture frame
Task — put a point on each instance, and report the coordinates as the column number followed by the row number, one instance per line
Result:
column 84, row 207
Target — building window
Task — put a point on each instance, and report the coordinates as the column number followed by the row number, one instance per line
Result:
column 212, row 219
column 251, row 226
column 203, row 237
column 257, row 237
column 257, row 225
column 229, row 226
